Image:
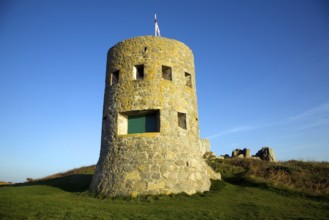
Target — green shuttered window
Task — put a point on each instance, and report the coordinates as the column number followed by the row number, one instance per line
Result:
column 143, row 123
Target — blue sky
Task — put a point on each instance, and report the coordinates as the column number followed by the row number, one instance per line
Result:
column 262, row 75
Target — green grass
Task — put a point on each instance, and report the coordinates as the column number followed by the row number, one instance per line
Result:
column 238, row 196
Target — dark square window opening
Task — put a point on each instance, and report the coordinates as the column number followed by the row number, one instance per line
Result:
column 114, row 77
column 139, row 71
column 182, row 120
column 188, row 79
column 166, row 72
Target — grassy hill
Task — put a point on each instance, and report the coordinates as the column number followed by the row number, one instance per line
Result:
column 5, row 183
column 250, row 190
column 308, row 178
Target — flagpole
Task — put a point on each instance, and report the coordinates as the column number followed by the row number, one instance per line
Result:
column 156, row 27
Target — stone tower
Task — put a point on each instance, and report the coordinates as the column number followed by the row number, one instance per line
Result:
column 150, row 132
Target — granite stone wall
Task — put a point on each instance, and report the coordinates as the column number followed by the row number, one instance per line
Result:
column 164, row 162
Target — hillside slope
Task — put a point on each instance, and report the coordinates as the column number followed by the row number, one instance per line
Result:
column 311, row 178
column 238, row 196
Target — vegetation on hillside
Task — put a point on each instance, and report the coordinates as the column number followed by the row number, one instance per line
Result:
column 81, row 170
column 306, row 177
column 75, row 180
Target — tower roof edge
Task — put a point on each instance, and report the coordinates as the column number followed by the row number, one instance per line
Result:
column 149, row 38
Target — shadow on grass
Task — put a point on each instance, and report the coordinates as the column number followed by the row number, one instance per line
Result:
column 240, row 179
column 72, row 183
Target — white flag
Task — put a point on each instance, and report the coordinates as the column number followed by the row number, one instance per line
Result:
column 157, row 29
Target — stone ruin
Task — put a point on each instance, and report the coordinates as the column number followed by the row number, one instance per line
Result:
column 265, row 153
column 245, row 153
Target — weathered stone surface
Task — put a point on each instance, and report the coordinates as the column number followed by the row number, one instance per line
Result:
column 209, row 155
column 204, row 145
column 236, row 152
column 140, row 186
column 213, row 175
column 246, row 152
column 141, row 168
column 164, row 160
column 156, row 186
column 133, row 176
column 180, row 163
column 267, row 154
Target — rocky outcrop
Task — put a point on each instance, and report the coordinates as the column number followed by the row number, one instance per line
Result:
column 245, row 153
column 267, row 154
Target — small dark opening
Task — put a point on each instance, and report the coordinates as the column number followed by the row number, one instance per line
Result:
column 166, row 72
column 145, row 49
column 182, row 120
column 188, row 80
column 139, row 69
column 104, row 118
column 114, row 77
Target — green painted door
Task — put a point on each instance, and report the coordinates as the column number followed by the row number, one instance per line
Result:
column 142, row 123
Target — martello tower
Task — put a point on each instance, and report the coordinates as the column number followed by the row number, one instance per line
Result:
column 150, row 133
